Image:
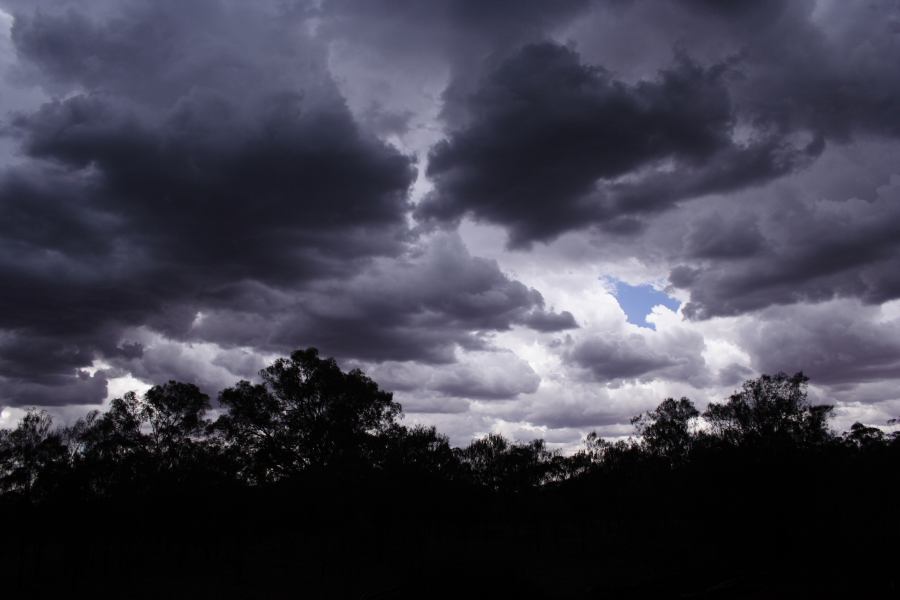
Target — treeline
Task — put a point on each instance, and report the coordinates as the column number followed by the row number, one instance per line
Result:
column 307, row 415
column 312, row 466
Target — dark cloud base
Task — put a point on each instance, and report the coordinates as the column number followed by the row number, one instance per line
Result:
column 553, row 145
column 170, row 178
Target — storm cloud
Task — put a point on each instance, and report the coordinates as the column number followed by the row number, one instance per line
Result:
column 553, row 145
column 202, row 161
column 436, row 192
column 812, row 250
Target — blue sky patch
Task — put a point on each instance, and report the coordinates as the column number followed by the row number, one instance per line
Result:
column 638, row 300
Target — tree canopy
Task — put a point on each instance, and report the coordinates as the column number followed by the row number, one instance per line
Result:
column 311, row 467
column 770, row 409
column 306, row 413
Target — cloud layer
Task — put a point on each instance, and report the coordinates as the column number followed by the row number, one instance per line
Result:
column 440, row 194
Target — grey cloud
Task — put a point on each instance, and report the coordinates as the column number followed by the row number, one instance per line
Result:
column 418, row 306
column 25, row 378
column 552, row 144
column 550, row 322
column 821, row 67
column 734, row 374
column 584, row 415
column 758, row 11
column 814, row 250
column 200, row 161
column 196, row 175
column 837, row 342
column 780, row 83
column 60, row 389
column 612, row 358
column 401, row 52
column 457, row 29
column 153, row 52
column 431, row 404
column 786, row 79
column 38, row 370
column 209, row 367
column 136, row 208
column 715, row 237
column 508, row 379
column 479, row 375
column 828, row 70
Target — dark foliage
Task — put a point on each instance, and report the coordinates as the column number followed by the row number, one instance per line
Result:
column 771, row 410
column 307, row 485
column 306, row 414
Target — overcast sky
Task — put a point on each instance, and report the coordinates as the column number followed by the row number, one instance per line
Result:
column 531, row 217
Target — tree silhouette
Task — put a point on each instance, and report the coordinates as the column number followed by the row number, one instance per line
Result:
column 666, row 430
column 113, row 454
column 497, row 514
column 116, row 435
column 770, row 409
column 498, row 464
column 306, row 413
column 417, row 450
column 863, row 437
column 31, row 455
column 175, row 413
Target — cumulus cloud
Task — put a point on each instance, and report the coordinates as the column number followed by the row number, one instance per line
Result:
column 552, row 144
column 480, row 375
column 157, row 359
column 418, row 306
column 616, row 356
column 834, row 343
column 819, row 67
column 195, row 171
column 813, row 250
column 184, row 156
column 433, row 191
column 58, row 389
column 456, row 31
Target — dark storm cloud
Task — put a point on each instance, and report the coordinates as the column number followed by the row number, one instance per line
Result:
column 26, row 380
column 625, row 358
column 206, row 366
column 549, row 321
column 834, row 343
column 613, row 358
column 715, row 237
column 581, row 416
column 552, row 144
column 285, row 174
column 454, row 28
column 549, row 144
column 824, row 68
column 418, row 306
column 59, row 389
column 196, row 176
column 403, row 51
column 155, row 52
column 832, row 74
column 198, row 159
column 817, row 76
column 130, row 214
column 482, row 375
column 763, row 10
column 811, row 251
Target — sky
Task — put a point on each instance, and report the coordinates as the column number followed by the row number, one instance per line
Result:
column 535, row 218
